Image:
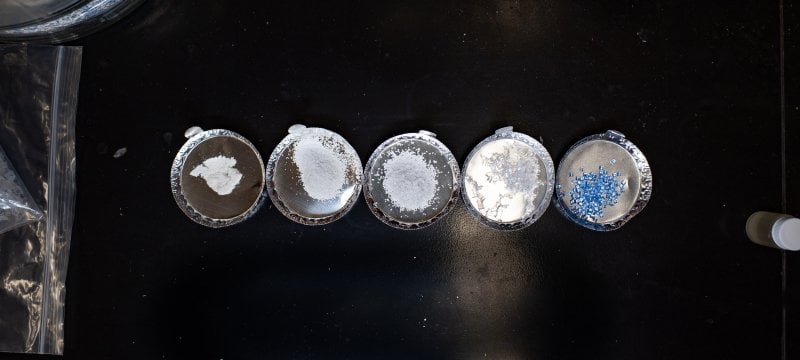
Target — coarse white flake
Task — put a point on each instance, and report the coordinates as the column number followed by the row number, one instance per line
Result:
column 219, row 173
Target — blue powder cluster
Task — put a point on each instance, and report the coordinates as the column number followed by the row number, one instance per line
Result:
column 593, row 192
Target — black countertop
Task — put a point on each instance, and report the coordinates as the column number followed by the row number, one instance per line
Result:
column 698, row 87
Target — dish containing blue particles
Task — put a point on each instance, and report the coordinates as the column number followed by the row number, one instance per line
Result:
column 314, row 176
column 412, row 180
column 508, row 180
column 603, row 181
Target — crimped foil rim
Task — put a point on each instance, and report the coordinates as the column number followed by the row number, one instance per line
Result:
column 645, row 186
column 541, row 152
column 275, row 197
column 177, row 191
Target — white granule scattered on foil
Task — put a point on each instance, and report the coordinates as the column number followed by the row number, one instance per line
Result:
column 409, row 181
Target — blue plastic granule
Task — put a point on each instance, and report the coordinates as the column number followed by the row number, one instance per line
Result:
column 592, row 192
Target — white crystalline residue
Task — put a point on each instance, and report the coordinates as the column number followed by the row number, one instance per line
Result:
column 15, row 206
column 219, row 173
column 120, row 152
column 502, row 180
column 322, row 170
column 409, row 181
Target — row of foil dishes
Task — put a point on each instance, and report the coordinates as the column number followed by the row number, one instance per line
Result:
column 314, row 177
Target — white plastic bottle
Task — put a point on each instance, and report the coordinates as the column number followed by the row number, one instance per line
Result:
column 775, row 230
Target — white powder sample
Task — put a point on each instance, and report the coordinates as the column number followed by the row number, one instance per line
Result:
column 322, row 170
column 219, row 173
column 120, row 152
column 409, row 181
column 502, row 180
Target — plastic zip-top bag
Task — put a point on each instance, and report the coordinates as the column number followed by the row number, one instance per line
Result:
column 38, row 97
column 17, row 208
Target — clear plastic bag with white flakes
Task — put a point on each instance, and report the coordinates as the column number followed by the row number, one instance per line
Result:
column 17, row 208
column 38, row 99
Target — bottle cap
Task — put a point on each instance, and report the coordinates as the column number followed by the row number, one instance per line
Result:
column 603, row 181
column 314, row 176
column 412, row 180
column 507, row 180
column 786, row 233
column 217, row 177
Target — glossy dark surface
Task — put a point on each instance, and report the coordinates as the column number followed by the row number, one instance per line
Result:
column 791, row 20
column 695, row 86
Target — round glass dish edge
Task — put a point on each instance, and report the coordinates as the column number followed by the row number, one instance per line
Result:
column 509, row 133
column 72, row 22
column 645, row 187
column 430, row 138
column 287, row 141
column 177, row 190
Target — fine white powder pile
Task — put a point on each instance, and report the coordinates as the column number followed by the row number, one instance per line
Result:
column 502, row 180
column 219, row 174
column 322, row 170
column 409, row 181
